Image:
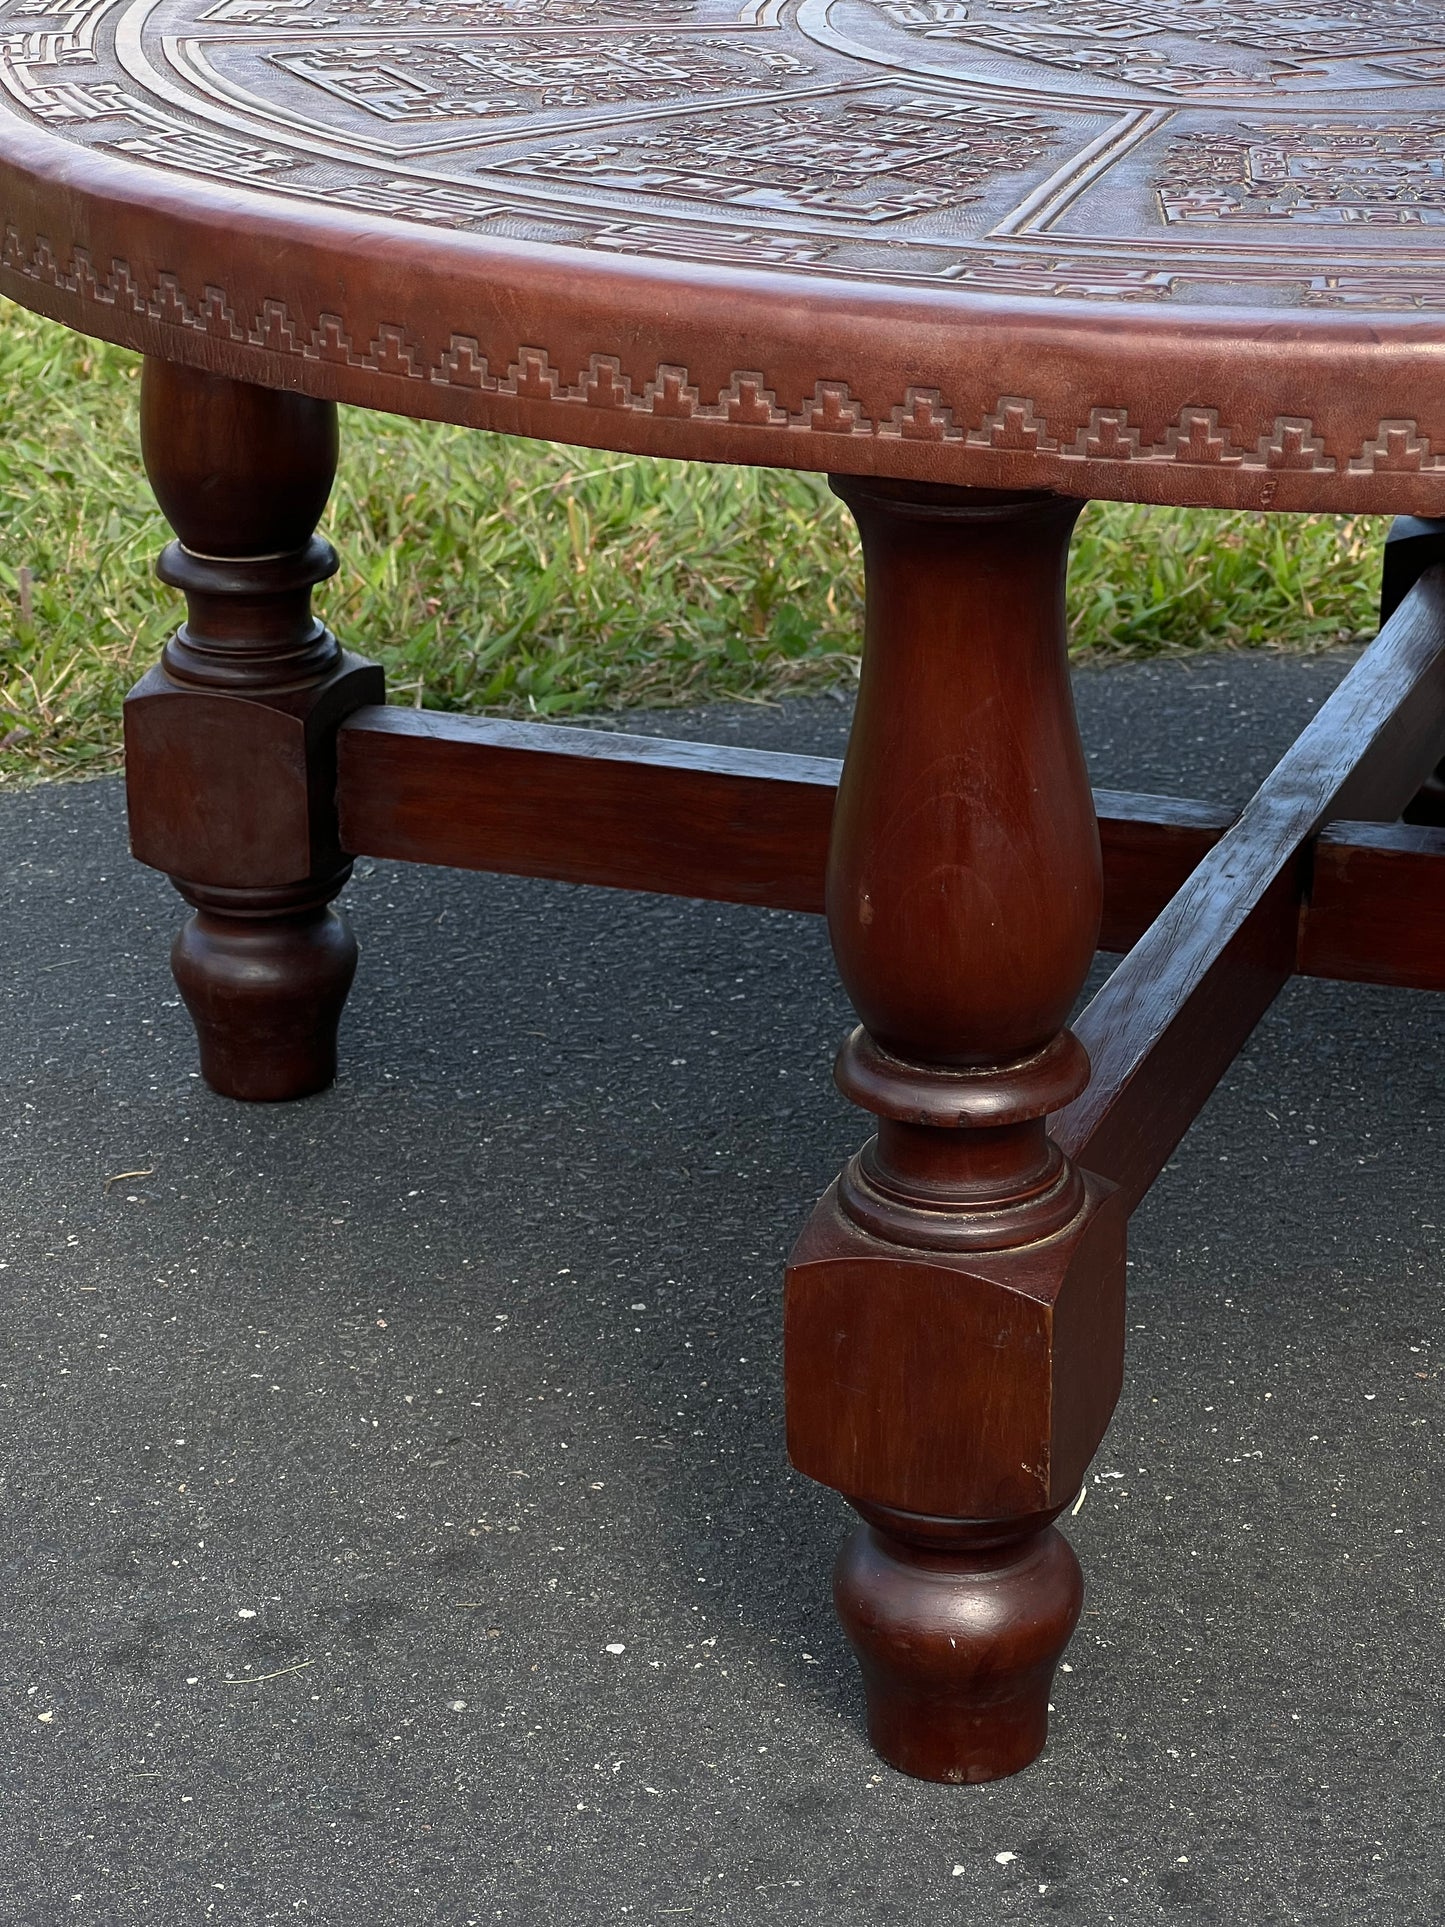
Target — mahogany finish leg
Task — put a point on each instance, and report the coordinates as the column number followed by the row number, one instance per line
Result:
column 954, row 1320
column 1412, row 546
column 231, row 741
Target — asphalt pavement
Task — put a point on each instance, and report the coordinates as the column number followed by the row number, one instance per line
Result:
column 397, row 1528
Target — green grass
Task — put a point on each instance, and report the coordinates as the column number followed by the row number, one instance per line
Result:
column 488, row 573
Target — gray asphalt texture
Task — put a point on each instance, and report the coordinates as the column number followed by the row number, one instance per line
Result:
column 397, row 1528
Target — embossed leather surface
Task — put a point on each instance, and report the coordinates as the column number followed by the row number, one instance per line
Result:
column 1184, row 250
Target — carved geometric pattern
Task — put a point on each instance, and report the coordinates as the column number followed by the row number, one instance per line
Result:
column 1188, row 46
column 68, row 35
column 939, row 181
column 867, row 159
column 1197, row 438
column 507, row 76
column 1397, row 448
column 744, row 247
column 431, row 202
column 431, row 15
column 204, row 153
column 1396, row 293
column 1383, row 176
column 1143, row 151
column 1079, row 277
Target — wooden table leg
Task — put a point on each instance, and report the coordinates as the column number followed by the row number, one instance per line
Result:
column 954, row 1326
column 230, row 742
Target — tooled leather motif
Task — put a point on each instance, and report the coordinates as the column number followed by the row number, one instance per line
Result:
column 1270, row 153
column 1198, row 438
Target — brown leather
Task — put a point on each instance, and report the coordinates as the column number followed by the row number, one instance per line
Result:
column 1199, row 261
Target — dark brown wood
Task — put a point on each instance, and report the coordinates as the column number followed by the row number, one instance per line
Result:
column 1150, row 846
column 929, row 1647
column 689, row 819
column 230, row 742
column 1411, row 547
column 954, row 1310
column 587, row 806
column 1376, row 911
column 1175, row 1013
column 751, row 826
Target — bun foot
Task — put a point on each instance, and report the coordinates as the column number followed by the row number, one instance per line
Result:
column 958, row 1644
column 265, row 994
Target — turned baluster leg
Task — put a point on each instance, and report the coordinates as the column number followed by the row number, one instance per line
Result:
column 230, row 742
column 1412, row 546
column 954, row 1328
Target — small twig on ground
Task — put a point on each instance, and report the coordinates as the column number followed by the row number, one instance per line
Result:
column 256, row 1679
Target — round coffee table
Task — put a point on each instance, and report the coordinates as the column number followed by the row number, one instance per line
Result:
column 979, row 260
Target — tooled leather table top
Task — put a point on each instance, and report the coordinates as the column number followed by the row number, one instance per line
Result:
column 1174, row 250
